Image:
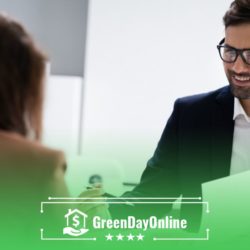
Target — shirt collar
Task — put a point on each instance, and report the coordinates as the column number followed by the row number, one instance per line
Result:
column 238, row 110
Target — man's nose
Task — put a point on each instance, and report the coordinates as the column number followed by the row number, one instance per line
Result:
column 239, row 65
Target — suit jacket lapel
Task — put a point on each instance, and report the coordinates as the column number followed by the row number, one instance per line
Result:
column 222, row 134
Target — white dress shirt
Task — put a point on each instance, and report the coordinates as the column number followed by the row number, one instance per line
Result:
column 240, row 160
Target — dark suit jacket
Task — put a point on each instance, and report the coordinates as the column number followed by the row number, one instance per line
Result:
column 195, row 147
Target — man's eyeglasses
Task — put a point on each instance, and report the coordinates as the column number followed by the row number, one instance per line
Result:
column 229, row 54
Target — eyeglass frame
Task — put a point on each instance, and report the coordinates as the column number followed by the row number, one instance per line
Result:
column 238, row 52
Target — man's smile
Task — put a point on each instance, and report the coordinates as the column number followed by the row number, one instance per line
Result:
column 241, row 81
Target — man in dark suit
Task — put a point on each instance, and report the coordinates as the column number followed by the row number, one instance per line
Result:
column 207, row 135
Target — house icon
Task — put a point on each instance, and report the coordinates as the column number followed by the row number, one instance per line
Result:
column 76, row 223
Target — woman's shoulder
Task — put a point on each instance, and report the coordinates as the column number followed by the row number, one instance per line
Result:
column 14, row 145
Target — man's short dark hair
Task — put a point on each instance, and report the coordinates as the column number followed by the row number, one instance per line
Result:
column 238, row 13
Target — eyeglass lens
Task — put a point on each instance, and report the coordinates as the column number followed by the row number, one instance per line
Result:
column 229, row 54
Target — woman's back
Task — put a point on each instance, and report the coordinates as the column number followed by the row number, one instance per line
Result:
column 29, row 174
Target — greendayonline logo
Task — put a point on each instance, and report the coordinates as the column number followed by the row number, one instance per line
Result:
column 79, row 225
column 132, row 223
column 76, row 223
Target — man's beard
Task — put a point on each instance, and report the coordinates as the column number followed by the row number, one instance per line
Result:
column 238, row 91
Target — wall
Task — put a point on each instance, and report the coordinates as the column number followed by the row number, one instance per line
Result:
column 60, row 28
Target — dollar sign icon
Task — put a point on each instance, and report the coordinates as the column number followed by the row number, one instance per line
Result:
column 76, row 221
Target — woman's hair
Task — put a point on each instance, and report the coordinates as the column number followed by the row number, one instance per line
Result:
column 238, row 13
column 22, row 69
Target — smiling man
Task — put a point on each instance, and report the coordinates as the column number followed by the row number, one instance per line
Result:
column 207, row 137
column 235, row 52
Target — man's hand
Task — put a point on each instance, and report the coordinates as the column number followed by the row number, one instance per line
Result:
column 94, row 204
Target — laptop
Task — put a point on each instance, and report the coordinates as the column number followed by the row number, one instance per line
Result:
column 229, row 208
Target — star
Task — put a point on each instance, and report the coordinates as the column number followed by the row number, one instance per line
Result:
column 119, row 237
column 109, row 236
column 130, row 237
column 140, row 237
